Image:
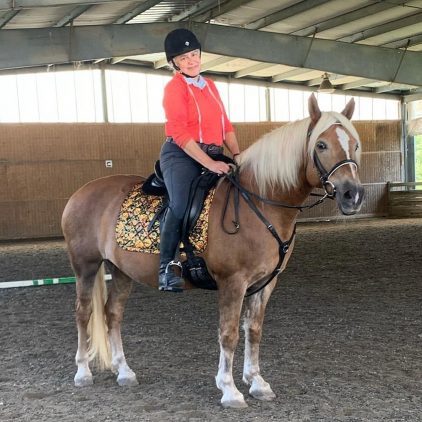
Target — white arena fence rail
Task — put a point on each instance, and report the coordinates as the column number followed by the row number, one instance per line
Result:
column 41, row 282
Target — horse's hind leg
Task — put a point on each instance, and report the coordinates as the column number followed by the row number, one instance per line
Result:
column 119, row 292
column 85, row 279
column 253, row 320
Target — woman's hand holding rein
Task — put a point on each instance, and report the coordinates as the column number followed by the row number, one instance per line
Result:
column 219, row 167
column 193, row 150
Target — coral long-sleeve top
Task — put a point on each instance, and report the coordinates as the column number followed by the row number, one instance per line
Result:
column 194, row 113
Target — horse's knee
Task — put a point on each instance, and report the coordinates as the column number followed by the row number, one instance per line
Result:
column 114, row 316
column 82, row 320
column 83, row 311
column 229, row 338
column 253, row 330
column 115, row 305
column 254, row 334
column 84, row 296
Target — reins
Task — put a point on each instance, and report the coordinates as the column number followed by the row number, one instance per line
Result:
column 234, row 180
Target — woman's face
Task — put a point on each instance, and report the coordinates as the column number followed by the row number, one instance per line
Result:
column 189, row 63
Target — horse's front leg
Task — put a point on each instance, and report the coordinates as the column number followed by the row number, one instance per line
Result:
column 253, row 319
column 230, row 303
column 119, row 292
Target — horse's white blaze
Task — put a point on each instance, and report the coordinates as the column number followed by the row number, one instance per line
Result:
column 357, row 197
column 344, row 141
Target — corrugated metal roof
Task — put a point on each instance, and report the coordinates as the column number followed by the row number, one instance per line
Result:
column 163, row 11
column 392, row 23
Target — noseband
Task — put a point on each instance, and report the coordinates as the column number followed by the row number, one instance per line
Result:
column 324, row 175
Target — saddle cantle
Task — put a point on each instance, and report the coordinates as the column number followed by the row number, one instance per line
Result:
column 155, row 185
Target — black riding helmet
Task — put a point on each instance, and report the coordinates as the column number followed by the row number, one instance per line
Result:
column 180, row 41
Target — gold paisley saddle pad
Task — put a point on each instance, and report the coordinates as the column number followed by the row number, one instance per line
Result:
column 136, row 214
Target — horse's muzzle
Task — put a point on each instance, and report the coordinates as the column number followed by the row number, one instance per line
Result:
column 349, row 196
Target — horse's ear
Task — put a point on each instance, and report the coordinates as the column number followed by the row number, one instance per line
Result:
column 313, row 108
column 349, row 109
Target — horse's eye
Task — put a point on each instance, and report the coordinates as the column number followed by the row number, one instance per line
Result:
column 356, row 147
column 321, row 145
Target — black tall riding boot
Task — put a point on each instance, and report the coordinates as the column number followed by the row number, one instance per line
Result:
column 170, row 232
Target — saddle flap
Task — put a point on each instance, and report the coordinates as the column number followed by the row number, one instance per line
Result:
column 199, row 190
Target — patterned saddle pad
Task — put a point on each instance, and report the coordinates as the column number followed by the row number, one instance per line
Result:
column 137, row 212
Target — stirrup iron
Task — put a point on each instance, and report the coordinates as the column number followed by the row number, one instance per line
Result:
column 169, row 281
column 173, row 263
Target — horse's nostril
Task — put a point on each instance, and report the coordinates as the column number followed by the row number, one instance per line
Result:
column 348, row 195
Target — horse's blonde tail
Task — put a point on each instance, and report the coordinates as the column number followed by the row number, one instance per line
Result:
column 99, row 345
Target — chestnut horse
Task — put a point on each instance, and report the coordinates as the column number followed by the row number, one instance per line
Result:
column 278, row 173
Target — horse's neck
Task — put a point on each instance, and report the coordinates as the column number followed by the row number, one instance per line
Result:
column 282, row 218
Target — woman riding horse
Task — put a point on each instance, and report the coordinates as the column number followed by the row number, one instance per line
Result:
column 196, row 128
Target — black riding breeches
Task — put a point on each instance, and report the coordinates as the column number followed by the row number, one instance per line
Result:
column 179, row 170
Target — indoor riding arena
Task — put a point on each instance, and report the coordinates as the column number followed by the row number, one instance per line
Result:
column 82, row 85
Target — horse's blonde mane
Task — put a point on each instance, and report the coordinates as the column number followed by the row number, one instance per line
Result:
column 276, row 158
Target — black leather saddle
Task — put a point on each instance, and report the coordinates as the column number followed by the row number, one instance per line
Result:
column 199, row 189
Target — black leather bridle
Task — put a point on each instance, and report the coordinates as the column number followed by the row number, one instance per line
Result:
column 324, row 175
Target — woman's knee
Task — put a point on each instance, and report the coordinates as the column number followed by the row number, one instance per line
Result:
column 178, row 210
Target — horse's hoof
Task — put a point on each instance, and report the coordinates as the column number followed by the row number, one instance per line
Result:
column 127, row 382
column 234, row 401
column 234, row 404
column 83, row 381
column 261, row 390
column 263, row 395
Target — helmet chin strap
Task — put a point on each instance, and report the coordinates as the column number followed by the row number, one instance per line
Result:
column 189, row 76
column 175, row 67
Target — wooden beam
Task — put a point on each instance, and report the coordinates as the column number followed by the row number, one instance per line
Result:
column 32, row 47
